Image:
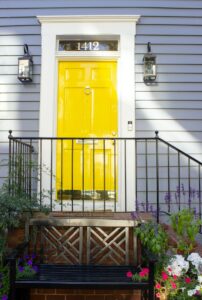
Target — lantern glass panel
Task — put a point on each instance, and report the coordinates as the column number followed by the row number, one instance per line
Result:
column 25, row 69
column 150, row 66
column 150, row 71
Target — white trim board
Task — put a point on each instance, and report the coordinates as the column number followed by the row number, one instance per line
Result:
column 124, row 26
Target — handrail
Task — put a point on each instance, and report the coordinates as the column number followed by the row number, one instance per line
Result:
column 105, row 138
column 156, row 173
column 180, row 151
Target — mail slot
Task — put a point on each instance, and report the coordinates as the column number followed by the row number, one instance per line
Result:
column 86, row 141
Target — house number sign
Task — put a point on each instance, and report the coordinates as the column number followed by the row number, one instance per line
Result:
column 86, row 45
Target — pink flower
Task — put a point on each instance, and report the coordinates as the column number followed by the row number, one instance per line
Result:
column 175, row 277
column 158, row 286
column 173, row 284
column 169, row 270
column 164, row 276
column 187, row 280
column 146, row 271
column 158, row 295
column 129, row 274
column 142, row 274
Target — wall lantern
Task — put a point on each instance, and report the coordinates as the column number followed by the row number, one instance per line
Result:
column 149, row 65
column 25, row 66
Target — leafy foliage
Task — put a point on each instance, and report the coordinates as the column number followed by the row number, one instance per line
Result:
column 153, row 237
column 4, row 282
column 186, row 228
column 16, row 206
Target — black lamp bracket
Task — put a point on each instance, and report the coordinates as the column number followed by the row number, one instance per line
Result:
column 149, row 47
column 26, row 50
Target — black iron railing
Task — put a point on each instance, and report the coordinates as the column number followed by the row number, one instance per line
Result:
column 106, row 174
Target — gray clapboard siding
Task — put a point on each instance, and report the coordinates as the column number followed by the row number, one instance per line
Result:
column 20, row 30
column 170, row 96
column 12, row 79
column 171, row 21
column 168, row 114
column 174, row 59
column 189, row 104
column 13, row 70
column 188, row 136
column 13, row 60
column 19, row 106
column 20, row 41
column 18, row 21
column 171, row 49
column 170, row 87
column 102, row 9
column 169, row 125
column 19, row 115
column 19, row 125
column 169, row 30
column 104, row 3
column 174, row 69
column 174, row 40
column 171, row 78
column 18, row 50
column 17, row 97
column 16, row 88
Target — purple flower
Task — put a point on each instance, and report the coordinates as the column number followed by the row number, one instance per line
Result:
column 4, row 297
column 35, row 268
column 26, row 256
column 20, row 269
column 168, row 197
column 29, row 262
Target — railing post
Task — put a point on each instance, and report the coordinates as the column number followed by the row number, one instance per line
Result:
column 12, row 277
column 157, row 177
column 9, row 162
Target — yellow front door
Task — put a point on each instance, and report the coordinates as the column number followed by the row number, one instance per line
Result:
column 87, row 108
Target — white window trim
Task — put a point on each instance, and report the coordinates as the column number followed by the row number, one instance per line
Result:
column 54, row 26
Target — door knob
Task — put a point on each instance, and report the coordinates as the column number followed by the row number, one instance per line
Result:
column 87, row 90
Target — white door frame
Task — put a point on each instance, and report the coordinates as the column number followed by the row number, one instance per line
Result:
column 122, row 26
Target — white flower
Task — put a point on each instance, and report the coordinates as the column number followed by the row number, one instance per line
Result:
column 196, row 261
column 198, row 288
column 191, row 292
column 178, row 265
column 194, row 257
column 200, row 278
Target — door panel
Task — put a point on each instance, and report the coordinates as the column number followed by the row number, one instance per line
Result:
column 87, row 108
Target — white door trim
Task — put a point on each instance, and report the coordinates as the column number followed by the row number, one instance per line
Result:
column 124, row 26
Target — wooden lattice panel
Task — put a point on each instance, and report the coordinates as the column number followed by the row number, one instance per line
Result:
column 62, row 244
column 108, row 246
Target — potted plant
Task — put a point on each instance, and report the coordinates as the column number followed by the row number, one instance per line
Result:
column 186, row 227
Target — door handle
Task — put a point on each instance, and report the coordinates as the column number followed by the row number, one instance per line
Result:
column 87, row 90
